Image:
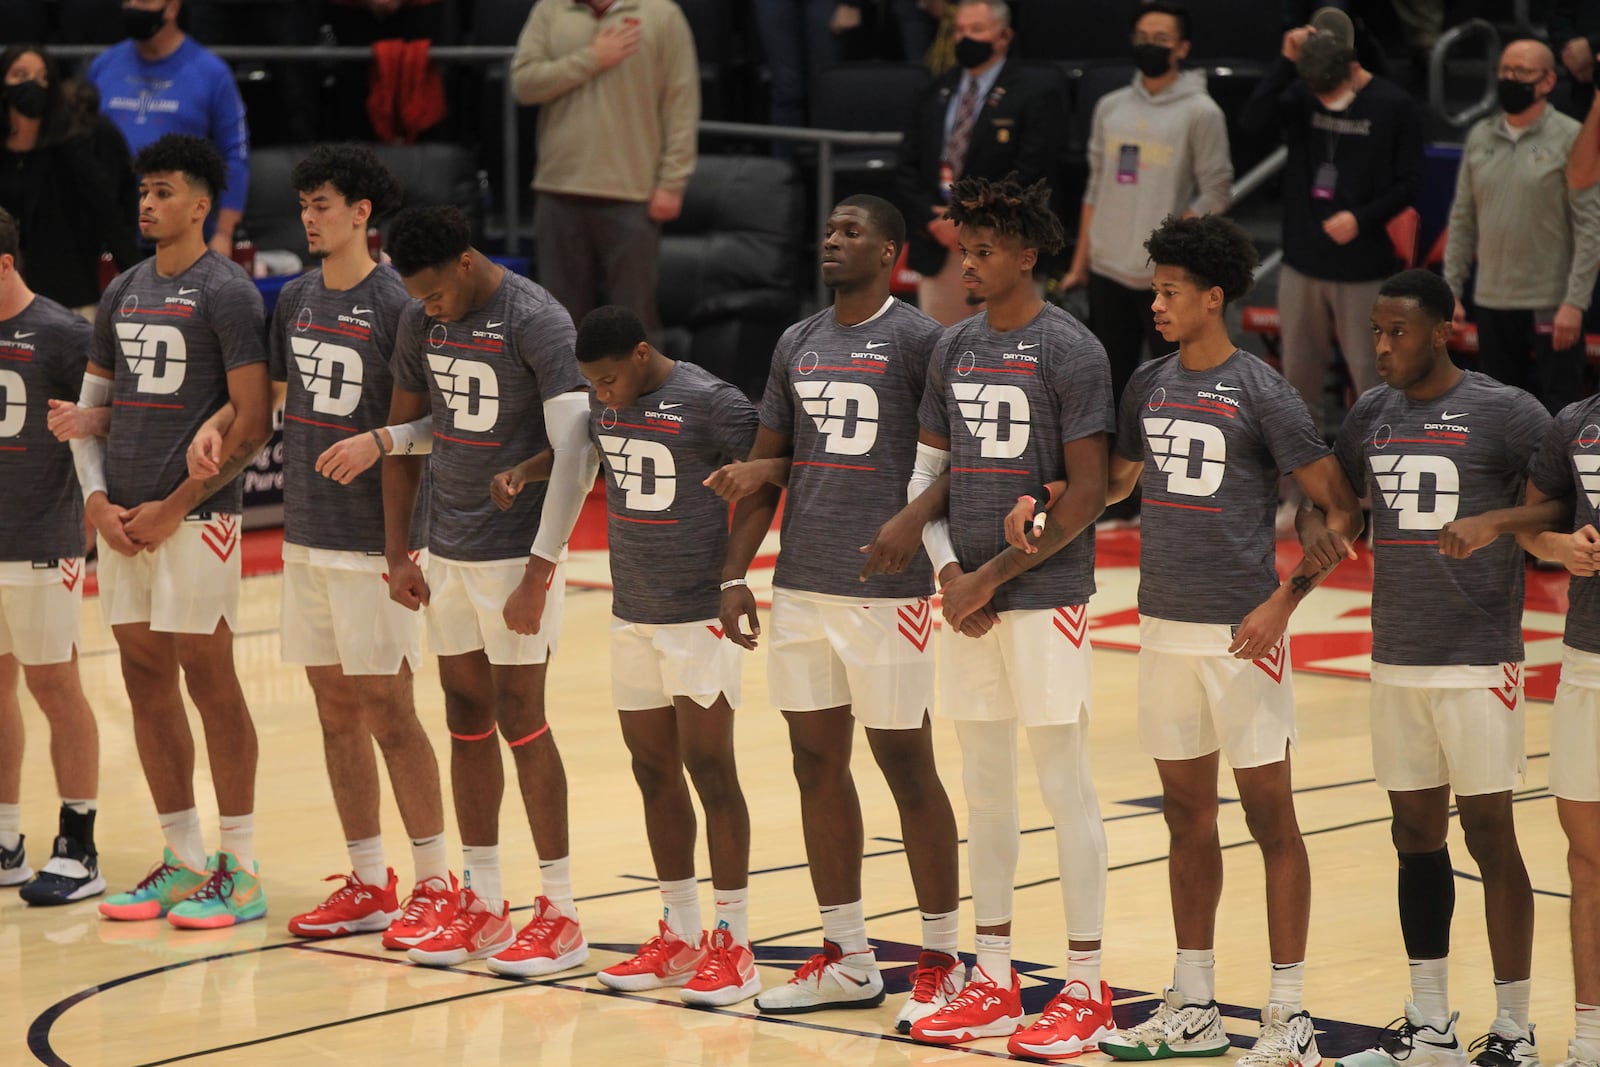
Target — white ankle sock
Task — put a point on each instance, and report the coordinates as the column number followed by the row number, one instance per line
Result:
column 1288, row 986
column 182, row 832
column 1586, row 1037
column 994, row 956
column 1430, row 989
column 1511, row 1000
column 846, row 926
column 239, row 838
column 941, row 932
column 430, row 858
column 1084, row 966
column 680, row 908
column 366, row 860
column 10, row 825
column 1194, row 975
column 733, row 912
column 480, row 872
column 555, row 881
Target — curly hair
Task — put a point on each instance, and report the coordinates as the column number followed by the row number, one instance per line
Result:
column 1210, row 249
column 1007, row 207
column 1429, row 291
column 354, row 170
column 178, row 153
column 608, row 332
column 424, row 237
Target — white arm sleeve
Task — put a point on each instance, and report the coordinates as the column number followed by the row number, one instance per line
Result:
column 412, row 438
column 89, row 453
column 566, row 422
column 932, row 462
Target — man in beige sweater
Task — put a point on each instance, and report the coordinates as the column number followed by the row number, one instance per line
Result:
column 620, row 89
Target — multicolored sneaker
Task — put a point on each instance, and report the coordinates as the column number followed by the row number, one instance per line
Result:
column 232, row 895
column 14, row 869
column 431, row 907
column 1288, row 1039
column 935, row 983
column 983, row 1008
column 474, row 933
column 1072, row 1023
column 168, row 883
column 354, row 908
column 664, row 960
column 830, row 979
column 727, row 976
column 72, row 874
column 552, row 941
column 1176, row 1029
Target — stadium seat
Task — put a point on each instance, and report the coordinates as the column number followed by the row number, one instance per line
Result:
column 867, row 97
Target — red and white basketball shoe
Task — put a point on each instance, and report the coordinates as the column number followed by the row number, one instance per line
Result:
column 354, row 908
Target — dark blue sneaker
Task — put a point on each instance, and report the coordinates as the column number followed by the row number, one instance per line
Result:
column 72, row 874
column 14, row 869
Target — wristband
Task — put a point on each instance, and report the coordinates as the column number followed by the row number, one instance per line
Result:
column 1042, row 497
column 731, row 583
column 381, row 450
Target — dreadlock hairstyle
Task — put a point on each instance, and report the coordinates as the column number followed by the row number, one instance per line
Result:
column 1008, row 207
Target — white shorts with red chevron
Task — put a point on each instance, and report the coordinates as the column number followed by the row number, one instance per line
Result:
column 1469, row 739
column 650, row 665
column 1196, row 698
column 40, row 608
column 1035, row 667
column 186, row 586
column 870, row 655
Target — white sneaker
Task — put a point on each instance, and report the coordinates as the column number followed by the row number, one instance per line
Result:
column 1505, row 1045
column 1176, row 1029
column 935, row 982
column 1288, row 1039
column 1414, row 1042
column 1576, row 1058
column 827, row 980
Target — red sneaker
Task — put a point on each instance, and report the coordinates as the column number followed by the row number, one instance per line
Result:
column 934, row 983
column 727, row 976
column 984, row 1008
column 474, row 933
column 551, row 942
column 354, row 908
column 1072, row 1023
column 429, row 909
column 664, row 960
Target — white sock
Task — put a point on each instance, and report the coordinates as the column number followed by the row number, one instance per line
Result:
column 680, row 908
column 1084, row 966
column 480, row 872
column 366, row 860
column 941, row 932
column 80, row 805
column 1288, row 986
column 994, row 956
column 846, row 926
column 239, row 838
column 1586, row 1039
column 1194, row 975
column 1511, row 1000
column 1430, row 989
column 555, row 880
column 10, row 825
column 182, row 832
column 733, row 913
column 430, row 858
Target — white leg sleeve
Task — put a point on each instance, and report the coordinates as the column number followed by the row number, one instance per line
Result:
column 994, row 837
column 1061, row 759
column 89, row 453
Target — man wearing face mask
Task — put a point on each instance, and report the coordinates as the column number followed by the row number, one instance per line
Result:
column 1536, row 240
column 985, row 119
column 1355, row 162
column 161, row 81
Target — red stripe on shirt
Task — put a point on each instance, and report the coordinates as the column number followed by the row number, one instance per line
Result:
column 324, row 425
column 464, row 441
column 1186, row 507
column 832, row 466
column 146, row 404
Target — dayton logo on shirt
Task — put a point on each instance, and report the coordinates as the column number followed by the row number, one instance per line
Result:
column 1588, row 468
column 999, row 416
column 1193, row 455
column 15, row 409
column 471, row 391
column 331, row 374
column 157, row 355
column 1423, row 491
column 845, row 413
column 644, row 471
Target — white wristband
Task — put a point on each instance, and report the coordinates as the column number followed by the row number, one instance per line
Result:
column 731, row 583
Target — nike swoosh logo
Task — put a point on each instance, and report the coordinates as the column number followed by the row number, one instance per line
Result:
column 1447, row 416
column 186, row 292
column 1023, row 348
column 360, row 311
column 875, row 344
column 1190, row 1035
column 1227, row 388
column 492, row 325
column 668, row 407
column 859, row 983
column 25, row 336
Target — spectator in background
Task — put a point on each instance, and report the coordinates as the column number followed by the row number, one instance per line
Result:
column 799, row 38
column 359, row 23
column 66, row 177
column 1156, row 148
column 1574, row 33
column 1536, row 241
column 1355, row 162
column 622, row 74
column 987, row 119
column 161, row 81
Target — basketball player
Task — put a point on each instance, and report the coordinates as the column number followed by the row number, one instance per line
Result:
column 850, row 643
column 662, row 427
column 1447, row 712
column 1017, row 396
column 1207, row 430
column 330, row 339
column 176, row 337
column 43, row 347
column 490, row 355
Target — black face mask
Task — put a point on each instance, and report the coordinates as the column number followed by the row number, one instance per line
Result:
column 142, row 25
column 970, row 53
column 27, row 98
column 1515, row 97
column 1153, row 60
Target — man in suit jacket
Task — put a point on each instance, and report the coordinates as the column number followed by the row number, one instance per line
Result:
column 987, row 118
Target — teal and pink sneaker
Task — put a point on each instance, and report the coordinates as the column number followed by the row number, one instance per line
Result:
column 230, row 896
column 167, row 884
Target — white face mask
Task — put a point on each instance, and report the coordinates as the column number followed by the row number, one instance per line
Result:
column 1340, row 102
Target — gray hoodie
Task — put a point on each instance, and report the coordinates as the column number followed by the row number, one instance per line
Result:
column 1183, row 165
